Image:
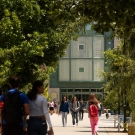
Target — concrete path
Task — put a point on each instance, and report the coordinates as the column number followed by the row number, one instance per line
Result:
column 83, row 128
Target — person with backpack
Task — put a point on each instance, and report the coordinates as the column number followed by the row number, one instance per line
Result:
column 64, row 110
column 93, row 107
column 81, row 111
column 75, row 106
column 16, row 106
column 39, row 114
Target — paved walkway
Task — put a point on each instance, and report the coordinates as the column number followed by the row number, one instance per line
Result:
column 83, row 128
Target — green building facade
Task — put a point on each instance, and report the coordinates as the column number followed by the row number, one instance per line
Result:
column 78, row 72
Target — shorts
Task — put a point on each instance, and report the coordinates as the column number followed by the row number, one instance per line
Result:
column 51, row 108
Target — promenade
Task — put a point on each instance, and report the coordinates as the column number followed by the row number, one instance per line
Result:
column 106, row 126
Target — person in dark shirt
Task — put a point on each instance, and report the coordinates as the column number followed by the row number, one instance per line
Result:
column 64, row 110
column 81, row 110
column 100, row 110
column 15, row 129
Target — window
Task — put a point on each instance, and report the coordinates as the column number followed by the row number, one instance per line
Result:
column 63, row 90
column 85, row 90
column 70, row 90
column 81, row 47
column 93, row 90
column 81, row 69
column 99, row 90
column 77, row 90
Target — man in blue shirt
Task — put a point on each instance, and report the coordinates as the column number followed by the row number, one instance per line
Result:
column 64, row 110
column 14, row 128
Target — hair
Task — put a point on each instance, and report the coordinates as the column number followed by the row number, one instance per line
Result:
column 73, row 99
column 63, row 99
column 92, row 99
column 32, row 94
column 1, row 91
column 14, row 81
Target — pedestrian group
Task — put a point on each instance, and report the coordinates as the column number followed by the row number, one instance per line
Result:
column 22, row 114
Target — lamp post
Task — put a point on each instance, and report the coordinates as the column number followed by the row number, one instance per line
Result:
column 124, row 94
column 125, row 107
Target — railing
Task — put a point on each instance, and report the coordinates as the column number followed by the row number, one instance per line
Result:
column 120, row 119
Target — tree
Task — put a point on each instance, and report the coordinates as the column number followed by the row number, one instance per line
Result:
column 29, row 38
column 116, row 16
column 119, row 76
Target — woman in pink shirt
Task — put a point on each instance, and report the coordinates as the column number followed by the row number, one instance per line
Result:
column 51, row 105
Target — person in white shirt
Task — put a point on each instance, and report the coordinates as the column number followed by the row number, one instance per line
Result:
column 51, row 107
column 38, row 111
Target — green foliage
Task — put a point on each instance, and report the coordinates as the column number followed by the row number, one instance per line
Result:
column 29, row 37
column 116, row 16
column 120, row 78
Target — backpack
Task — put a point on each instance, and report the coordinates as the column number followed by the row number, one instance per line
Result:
column 55, row 105
column 93, row 110
column 13, row 110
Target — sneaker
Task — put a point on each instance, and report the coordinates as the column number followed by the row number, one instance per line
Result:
column 96, row 132
column 73, row 125
column 76, row 124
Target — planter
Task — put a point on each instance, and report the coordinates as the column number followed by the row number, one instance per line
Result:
column 131, row 129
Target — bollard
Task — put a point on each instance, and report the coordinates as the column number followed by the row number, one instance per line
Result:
column 118, row 123
column 131, row 129
column 115, row 123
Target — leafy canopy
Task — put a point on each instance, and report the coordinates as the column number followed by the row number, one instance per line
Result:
column 29, row 38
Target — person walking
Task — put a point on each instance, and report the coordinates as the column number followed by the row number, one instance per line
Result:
column 16, row 106
column 39, row 115
column 107, row 114
column 58, row 108
column 75, row 106
column 81, row 110
column 64, row 110
column 55, row 107
column 100, row 109
column 51, row 107
column 93, row 107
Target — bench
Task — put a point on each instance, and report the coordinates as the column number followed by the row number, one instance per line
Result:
column 120, row 119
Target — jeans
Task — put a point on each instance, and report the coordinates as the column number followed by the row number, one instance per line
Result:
column 81, row 114
column 74, row 116
column 9, row 129
column 64, row 118
column 37, row 126
column 99, row 112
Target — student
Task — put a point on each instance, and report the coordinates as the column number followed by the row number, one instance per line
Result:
column 55, row 107
column 38, row 111
column 58, row 108
column 81, row 111
column 100, row 110
column 93, row 103
column 51, row 107
column 64, row 110
column 14, row 104
column 107, row 114
column 75, row 105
